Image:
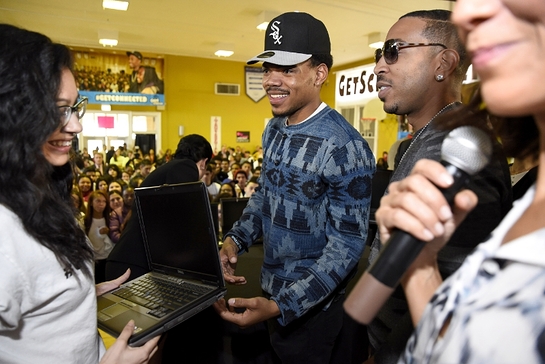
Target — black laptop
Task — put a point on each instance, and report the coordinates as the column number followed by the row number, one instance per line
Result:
column 182, row 249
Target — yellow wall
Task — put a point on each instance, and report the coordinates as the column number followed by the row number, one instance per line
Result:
column 387, row 132
column 190, row 101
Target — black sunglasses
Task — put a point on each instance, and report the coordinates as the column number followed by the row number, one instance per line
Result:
column 391, row 48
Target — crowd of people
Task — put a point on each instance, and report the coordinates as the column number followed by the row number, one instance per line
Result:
column 97, row 79
column 104, row 184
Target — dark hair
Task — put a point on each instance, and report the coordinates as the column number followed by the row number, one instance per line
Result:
column 519, row 136
column 318, row 59
column 120, row 182
column 233, row 190
column 115, row 168
column 83, row 175
column 240, row 171
column 194, row 147
column 113, row 192
column 105, row 213
column 440, row 29
column 144, row 162
column 76, row 192
column 38, row 193
column 102, row 179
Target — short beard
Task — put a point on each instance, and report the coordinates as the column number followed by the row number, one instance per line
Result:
column 394, row 109
column 283, row 115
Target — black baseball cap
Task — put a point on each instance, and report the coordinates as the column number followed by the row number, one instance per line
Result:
column 136, row 54
column 292, row 38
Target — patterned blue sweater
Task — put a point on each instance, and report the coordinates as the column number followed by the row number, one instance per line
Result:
column 312, row 209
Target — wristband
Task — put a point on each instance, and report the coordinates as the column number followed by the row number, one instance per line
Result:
column 238, row 243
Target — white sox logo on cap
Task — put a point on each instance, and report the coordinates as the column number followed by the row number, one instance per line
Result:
column 276, row 32
column 292, row 38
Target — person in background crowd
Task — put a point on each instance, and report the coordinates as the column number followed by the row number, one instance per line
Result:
column 119, row 159
column 144, row 169
column 241, row 178
column 115, row 199
column 110, row 154
column 102, row 184
column 98, row 158
column 248, row 168
column 128, row 197
column 48, row 295
column 226, row 190
column 118, row 213
column 208, row 179
column 252, row 184
column 113, row 171
column 85, row 187
column 257, row 172
column 312, row 207
column 114, row 185
column 126, row 177
column 79, row 204
column 97, row 228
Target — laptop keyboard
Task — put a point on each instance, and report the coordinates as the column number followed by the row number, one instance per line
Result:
column 159, row 295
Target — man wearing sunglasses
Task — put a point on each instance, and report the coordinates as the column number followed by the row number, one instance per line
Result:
column 312, row 207
column 419, row 72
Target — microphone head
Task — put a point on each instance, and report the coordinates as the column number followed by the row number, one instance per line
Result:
column 467, row 148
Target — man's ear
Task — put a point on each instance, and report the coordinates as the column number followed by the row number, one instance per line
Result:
column 321, row 74
column 448, row 62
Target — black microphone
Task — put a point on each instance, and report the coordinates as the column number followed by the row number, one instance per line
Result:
column 464, row 152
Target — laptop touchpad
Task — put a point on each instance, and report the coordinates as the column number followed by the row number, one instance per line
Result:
column 115, row 310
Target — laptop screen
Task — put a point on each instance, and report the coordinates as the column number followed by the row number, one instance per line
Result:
column 179, row 231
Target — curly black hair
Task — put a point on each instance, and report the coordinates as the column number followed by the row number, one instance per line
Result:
column 31, row 66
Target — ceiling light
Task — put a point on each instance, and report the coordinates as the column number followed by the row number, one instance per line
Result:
column 375, row 40
column 108, row 42
column 108, row 37
column 115, row 4
column 224, row 50
column 264, row 18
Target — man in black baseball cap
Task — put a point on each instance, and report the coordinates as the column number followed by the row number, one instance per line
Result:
column 136, row 54
column 312, row 206
column 135, row 61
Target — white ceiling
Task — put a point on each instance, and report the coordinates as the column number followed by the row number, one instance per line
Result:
column 193, row 28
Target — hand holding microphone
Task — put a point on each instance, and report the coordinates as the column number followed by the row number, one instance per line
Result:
column 465, row 151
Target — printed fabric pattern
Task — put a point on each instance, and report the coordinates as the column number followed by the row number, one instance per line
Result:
column 495, row 303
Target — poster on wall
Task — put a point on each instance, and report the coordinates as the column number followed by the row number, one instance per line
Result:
column 243, row 136
column 127, row 78
column 254, row 85
column 215, row 133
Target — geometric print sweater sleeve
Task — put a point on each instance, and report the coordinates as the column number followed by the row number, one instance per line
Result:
column 312, row 209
